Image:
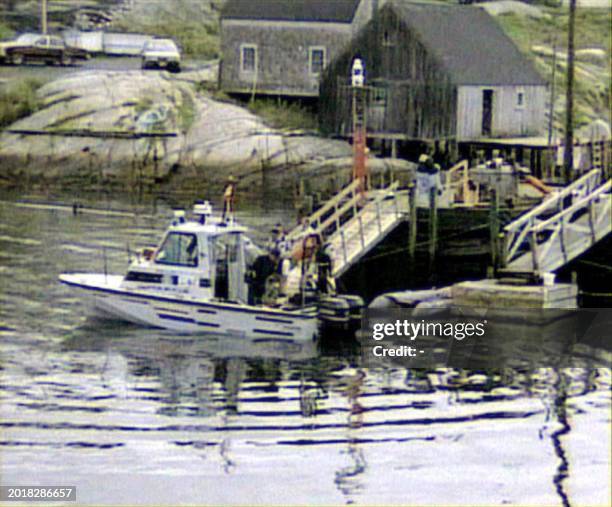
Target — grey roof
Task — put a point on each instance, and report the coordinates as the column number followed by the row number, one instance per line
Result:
column 339, row 11
column 470, row 44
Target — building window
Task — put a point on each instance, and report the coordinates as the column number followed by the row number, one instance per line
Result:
column 520, row 99
column 379, row 96
column 316, row 60
column 248, row 58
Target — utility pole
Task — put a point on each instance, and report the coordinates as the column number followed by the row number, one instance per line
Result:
column 568, row 156
column 553, row 91
column 43, row 20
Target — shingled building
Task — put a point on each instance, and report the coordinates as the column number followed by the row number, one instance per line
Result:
column 436, row 72
column 281, row 47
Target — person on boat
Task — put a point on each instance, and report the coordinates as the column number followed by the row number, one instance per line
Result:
column 192, row 252
column 278, row 239
column 307, row 241
column 325, row 280
column 263, row 267
column 229, row 193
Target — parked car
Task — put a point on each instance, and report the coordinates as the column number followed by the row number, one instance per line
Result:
column 49, row 49
column 161, row 53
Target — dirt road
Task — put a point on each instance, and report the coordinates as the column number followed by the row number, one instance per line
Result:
column 9, row 73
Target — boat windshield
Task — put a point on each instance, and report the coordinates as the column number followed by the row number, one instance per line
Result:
column 178, row 249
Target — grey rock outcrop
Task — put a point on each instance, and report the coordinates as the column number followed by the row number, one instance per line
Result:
column 113, row 122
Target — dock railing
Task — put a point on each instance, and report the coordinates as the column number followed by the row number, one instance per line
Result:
column 457, row 185
column 364, row 229
column 560, row 228
column 349, row 193
column 353, row 223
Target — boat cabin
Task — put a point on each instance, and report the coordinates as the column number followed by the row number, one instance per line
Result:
column 200, row 259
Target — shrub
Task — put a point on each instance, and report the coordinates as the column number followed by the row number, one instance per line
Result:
column 18, row 100
column 284, row 115
column 6, row 32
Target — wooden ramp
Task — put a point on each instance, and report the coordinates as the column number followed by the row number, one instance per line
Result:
column 354, row 223
column 561, row 228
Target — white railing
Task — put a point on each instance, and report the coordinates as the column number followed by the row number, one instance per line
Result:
column 354, row 222
column 366, row 228
column 330, row 208
column 559, row 229
column 457, row 186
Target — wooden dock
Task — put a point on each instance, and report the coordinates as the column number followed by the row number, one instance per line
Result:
column 354, row 222
column 500, row 296
column 380, row 241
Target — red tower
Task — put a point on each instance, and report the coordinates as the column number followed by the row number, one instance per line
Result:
column 360, row 170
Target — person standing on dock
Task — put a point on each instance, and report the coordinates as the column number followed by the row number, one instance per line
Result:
column 427, row 177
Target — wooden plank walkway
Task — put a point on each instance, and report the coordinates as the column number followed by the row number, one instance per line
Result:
column 354, row 223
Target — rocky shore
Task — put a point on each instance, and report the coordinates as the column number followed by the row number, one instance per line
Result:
column 127, row 127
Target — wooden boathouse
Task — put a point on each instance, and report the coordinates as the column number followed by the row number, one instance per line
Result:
column 436, row 72
column 281, row 47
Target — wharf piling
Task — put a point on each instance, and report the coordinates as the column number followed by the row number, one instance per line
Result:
column 433, row 230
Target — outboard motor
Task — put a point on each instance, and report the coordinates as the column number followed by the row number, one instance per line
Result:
column 341, row 312
column 334, row 313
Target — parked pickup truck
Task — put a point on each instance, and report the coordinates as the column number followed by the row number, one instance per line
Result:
column 32, row 47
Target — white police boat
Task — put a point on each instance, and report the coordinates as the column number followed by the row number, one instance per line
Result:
column 195, row 282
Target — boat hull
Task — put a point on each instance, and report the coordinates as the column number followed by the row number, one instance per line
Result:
column 182, row 314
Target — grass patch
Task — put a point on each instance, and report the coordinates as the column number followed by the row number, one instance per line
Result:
column 592, row 29
column 186, row 111
column 5, row 31
column 284, row 115
column 194, row 39
column 18, row 100
column 592, row 76
column 192, row 24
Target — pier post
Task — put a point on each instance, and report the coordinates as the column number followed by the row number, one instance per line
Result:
column 412, row 224
column 494, row 229
column 433, row 230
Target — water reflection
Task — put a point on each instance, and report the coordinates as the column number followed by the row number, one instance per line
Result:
column 249, row 386
column 235, row 422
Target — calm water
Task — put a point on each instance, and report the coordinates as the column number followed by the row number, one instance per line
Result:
column 131, row 415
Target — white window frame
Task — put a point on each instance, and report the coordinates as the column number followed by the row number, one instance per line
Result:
column 311, row 50
column 255, row 58
column 520, row 93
